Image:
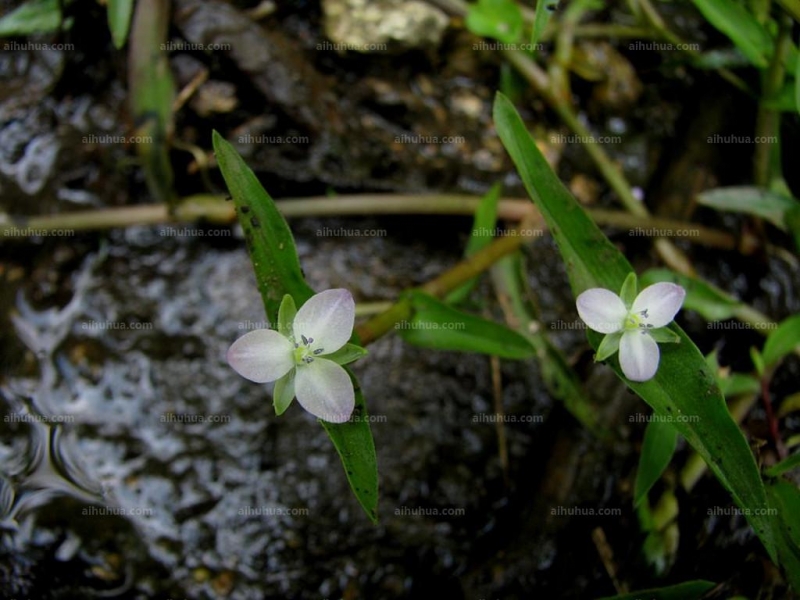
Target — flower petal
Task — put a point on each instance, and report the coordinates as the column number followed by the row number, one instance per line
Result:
column 661, row 301
column 328, row 318
column 602, row 310
column 324, row 389
column 638, row 355
column 261, row 355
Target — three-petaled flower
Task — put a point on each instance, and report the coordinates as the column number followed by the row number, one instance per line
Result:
column 634, row 324
column 305, row 355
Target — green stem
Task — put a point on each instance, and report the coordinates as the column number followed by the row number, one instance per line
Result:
column 768, row 119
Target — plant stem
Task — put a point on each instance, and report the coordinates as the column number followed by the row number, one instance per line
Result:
column 212, row 209
column 768, row 119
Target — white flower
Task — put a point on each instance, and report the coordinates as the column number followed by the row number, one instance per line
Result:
column 305, row 355
column 633, row 327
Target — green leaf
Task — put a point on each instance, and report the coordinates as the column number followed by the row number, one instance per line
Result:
column 436, row 325
column 35, row 16
column 709, row 301
column 151, row 93
column 286, row 314
column 482, row 235
column 732, row 384
column 758, row 361
column 347, row 354
column 629, row 290
column 749, row 200
column 783, row 100
column 690, row 590
column 782, row 341
column 608, row 347
column 277, row 268
column 737, row 384
column 741, row 27
column 683, row 384
column 283, row 394
column 353, row 441
column 662, row 335
column 119, row 20
column 544, row 12
column 787, row 464
column 658, row 447
column 785, row 499
column 797, row 84
column 267, row 235
column 498, row 19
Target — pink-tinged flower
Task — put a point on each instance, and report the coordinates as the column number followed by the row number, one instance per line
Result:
column 634, row 328
column 305, row 355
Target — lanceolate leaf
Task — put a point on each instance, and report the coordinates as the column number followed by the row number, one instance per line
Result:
column 750, row 200
column 353, row 441
column 657, row 450
column 782, row 341
column 34, row 16
column 741, row 27
column 684, row 385
column 482, row 235
column 785, row 500
column 434, row 324
column 267, row 235
column 119, row 20
column 277, row 268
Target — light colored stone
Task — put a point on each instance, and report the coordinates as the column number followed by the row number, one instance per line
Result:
column 381, row 25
